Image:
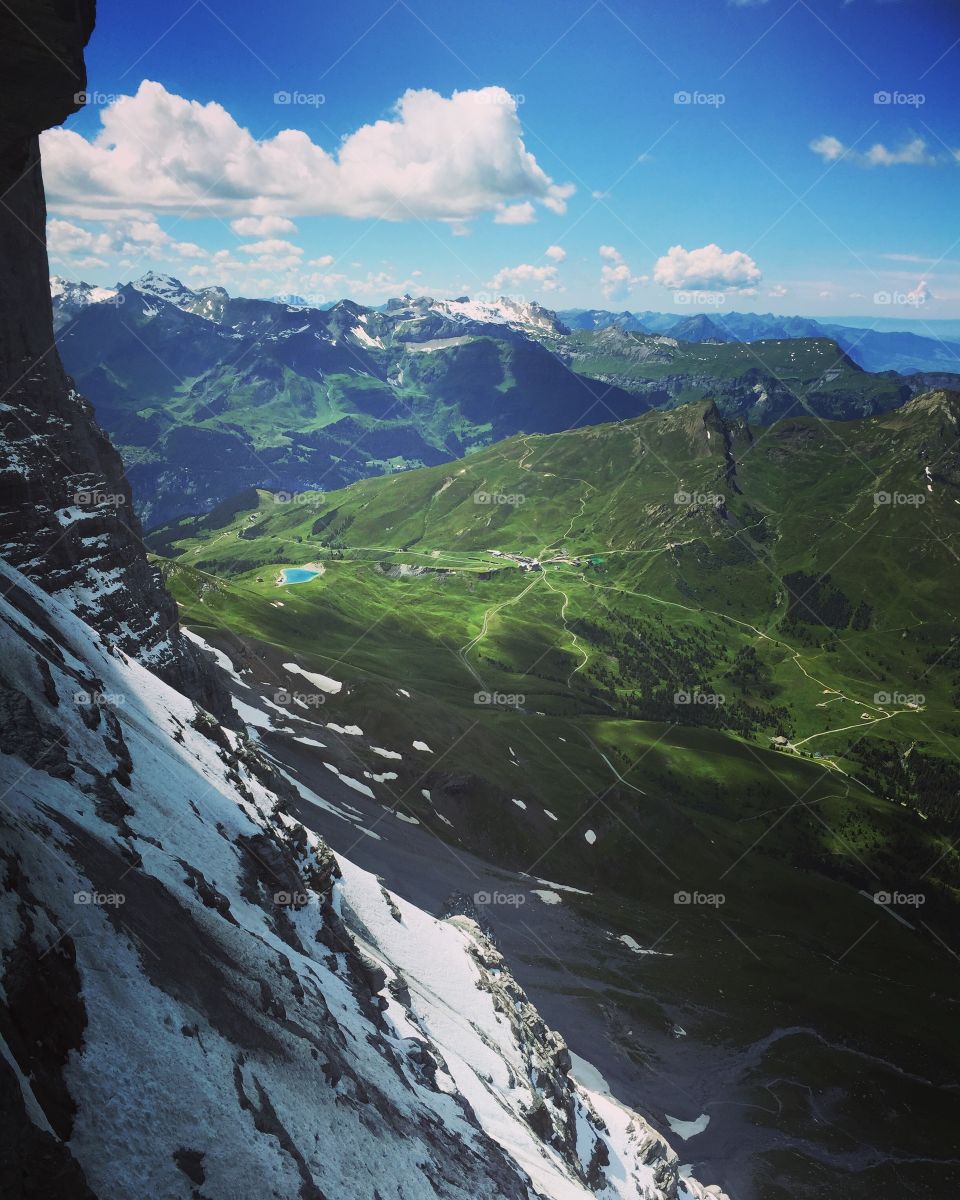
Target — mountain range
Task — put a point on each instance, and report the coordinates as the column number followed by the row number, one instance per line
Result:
column 205, row 394
column 879, row 347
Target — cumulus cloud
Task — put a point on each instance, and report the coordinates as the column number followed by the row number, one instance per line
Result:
column 914, row 153
column 434, row 158
column 707, row 269
column 525, row 279
column 516, row 214
column 777, row 290
column 616, row 278
column 135, row 238
column 262, row 226
column 557, row 253
column 272, row 246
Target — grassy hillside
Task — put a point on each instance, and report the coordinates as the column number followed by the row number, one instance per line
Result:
column 751, row 587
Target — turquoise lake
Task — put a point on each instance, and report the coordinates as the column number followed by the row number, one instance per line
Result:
column 298, row 574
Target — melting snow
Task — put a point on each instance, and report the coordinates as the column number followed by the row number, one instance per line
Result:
column 323, row 682
column 687, row 1129
column 351, row 782
column 222, row 659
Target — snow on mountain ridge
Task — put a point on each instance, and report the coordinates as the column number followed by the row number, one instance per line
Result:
column 518, row 314
column 163, row 287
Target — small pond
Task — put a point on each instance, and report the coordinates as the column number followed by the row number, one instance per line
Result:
column 297, row 575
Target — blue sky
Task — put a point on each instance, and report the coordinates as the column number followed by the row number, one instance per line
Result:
column 580, row 152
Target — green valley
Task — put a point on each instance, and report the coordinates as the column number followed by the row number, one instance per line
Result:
column 697, row 603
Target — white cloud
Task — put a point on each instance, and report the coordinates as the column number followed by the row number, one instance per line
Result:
column 777, row 290
column 557, row 253
column 435, row 158
column 707, row 269
column 272, row 246
column 829, row 148
column 189, row 250
column 65, row 239
column 913, row 153
column 136, row 238
column 525, row 279
column 616, row 281
column 616, row 278
column 262, row 226
column 323, row 261
column 516, row 214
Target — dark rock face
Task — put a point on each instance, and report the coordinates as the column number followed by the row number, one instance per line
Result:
column 41, row 56
column 66, row 518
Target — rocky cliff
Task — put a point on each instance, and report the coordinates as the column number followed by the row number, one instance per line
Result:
column 66, row 518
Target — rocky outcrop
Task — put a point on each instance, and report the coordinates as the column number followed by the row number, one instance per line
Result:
column 66, row 517
column 562, row 1115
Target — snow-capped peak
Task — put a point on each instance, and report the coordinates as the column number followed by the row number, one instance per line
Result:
column 505, row 310
column 70, row 297
column 77, row 292
column 163, row 287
